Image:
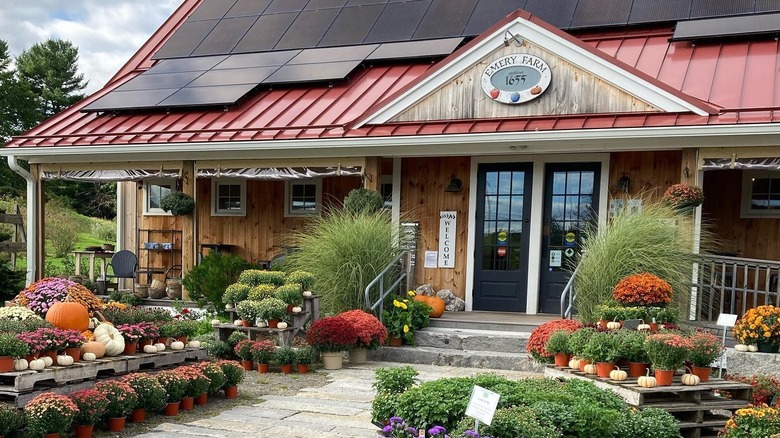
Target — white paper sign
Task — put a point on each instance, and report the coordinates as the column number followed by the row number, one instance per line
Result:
column 431, row 257
column 727, row 319
column 482, row 404
column 447, row 225
column 555, row 258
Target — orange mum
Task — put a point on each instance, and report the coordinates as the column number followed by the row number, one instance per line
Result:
column 643, row 289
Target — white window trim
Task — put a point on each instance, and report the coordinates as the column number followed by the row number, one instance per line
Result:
column 215, row 183
column 746, row 212
column 288, row 193
column 156, row 181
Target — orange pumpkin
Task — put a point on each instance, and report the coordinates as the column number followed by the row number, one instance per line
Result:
column 437, row 307
column 88, row 335
column 68, row 316
column 421, row 298
column 97, row 348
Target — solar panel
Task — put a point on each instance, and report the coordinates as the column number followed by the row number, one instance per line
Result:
column 225, row 36
column 185, row 39
column 445, row 18
column 185, row 64
column 264, row 59
column 324, row 4
column 591, row 13
column 236, row 76
column 265, row 33
column 711, row 8
column 205, row 96
column 365, row 2
column 398, row 22
column 211, row 10
column 312, row 72
column 648, row 11
column 281, row 6
column 244, row 8
column 557, row 13
column 119, row 100
column 307, row 30
column 768, row 24
column 352, row 25
column 490, row 12
column 333, row 54
column 159, row 81
column 415, row 49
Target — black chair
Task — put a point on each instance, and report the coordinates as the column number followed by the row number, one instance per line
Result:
column 124, row 264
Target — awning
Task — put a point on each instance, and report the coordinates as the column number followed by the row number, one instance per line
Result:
column 109, row 175
column 279, row 173
column 766, row 163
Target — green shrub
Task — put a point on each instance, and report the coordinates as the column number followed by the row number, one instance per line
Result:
column 284, row 356
column 601, row 347
column 631, row 345
column 420, row 314
column 11, row 419
column 558, row 343
column 236, row 337
column 384, row 406
column 208, row 281
column 592, row 420
column 261, row 292
column 513, row 422
column 305, row 279
column 304, row 356
column 559, row 415
column 290, row 293
column 579, row 339
column 105, row 231
column 11, row 346
column 235, row 293
column 62, row 228
column 648, row 423
column 128, row 298
column 396, row 380
column 11, row 281
column 220, row 349
column 178, row 203
column 363, row 201
column 256, row 277
column 272, row 308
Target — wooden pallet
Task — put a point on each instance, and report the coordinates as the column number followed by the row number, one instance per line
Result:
column 698, row 408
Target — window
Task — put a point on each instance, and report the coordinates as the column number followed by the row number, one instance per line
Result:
column 154, row 191
column 760, row 194
column 303, row 198
column 228, row 197
column 386, row 189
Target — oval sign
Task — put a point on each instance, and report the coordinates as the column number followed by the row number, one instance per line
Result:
column 514, row 79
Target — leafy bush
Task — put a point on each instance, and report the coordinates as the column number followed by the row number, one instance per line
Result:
column 284, row 356
column 178, row 203
column 62, row 228
column 256, row 277
column 11, row 419
column 130, row 299
column 601, row 347
column 632, row 346
column 384, row 406
column 541, row 334
column 271, row 308
column 558, row 342
column 648, row 423
column 220, row 349
column 290, row 293
column 235, row 293
column 396, row 380
column 207, row 281
column 517, row 421
column 105, row 231
column 304, row 356
column 305, row 279
column 11, row 281
column 579, row 339
column 236, row 337
column 363, row 201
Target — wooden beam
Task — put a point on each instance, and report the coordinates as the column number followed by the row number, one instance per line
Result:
column 188, row 224
column 15, row 219
column 688, row 166
column 372, row 173
column 13, row 247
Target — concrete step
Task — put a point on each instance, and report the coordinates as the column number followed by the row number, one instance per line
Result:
column 518, row 361
column 502, row 326
column 472, row 340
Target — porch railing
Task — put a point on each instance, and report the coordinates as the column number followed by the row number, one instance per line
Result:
column 393, row 275
column 568, row 296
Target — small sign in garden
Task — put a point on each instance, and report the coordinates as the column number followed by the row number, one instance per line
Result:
column 482, row 405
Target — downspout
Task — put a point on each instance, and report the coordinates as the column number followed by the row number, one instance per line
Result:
column 32, row 210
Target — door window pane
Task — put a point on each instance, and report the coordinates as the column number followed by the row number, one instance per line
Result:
column 491, row 183
column 573, row 183
column 503, row 207
column 587, row 182
column 518, row 183
column 504, row 183
column 559, row 183
column 517, row 208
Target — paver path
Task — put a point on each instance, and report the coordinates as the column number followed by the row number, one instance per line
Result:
column 341, row 408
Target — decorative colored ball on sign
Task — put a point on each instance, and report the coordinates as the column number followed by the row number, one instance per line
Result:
column 501, row 251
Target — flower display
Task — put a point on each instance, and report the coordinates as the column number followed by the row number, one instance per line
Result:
column 17, row 313
column 759, row 324
column 398, row 320
column 175, row 385
column 197, row 382
column 705, row 348
column 398, row 428
column 122, row 398
column 331, row 334
column 91, row 404
column 42, row 294
column 51, row 339
column 234, row 372
column 11, row 419
column 765, row 387
column 151, row 394
column 262, row 351
column 72, row 338
column 49, row 413
column 244, row 349
column 752, row 422
column 667, row 351
column 643, row 289
column 371, row 334
column 540, row 335
column 216, row 376
column 681, row 196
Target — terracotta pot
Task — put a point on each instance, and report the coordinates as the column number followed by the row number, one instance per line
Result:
column 286, row 368
column 138, row 415
column 273, row 323
column 583, row 362
column 31, row 357
column 202, row 399
column 248, row 365
column 394, row 342
column 290, row 307
column 163, row 340
column 75, row 353
column 182, row 339
column 83, row 430
column 602, row 324
column 171, row 409
column 358, row 356
column 246, row 323
column 262, row 368
column 51, row 354
column 231, row 392
column 187, row 403
column 52, row 435
column 702, row 372
column 604, row 368
column 302, row 368
column 130, row 347
column 653, row 326
column 637, row 369
column 562, row 360
column 332, row 360
column 6, row 364
column 116, row 424
column 664, row 377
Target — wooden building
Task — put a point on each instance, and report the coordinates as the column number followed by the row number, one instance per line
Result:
column 499, row 127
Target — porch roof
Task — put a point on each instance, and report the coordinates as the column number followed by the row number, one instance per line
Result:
column 738, row 77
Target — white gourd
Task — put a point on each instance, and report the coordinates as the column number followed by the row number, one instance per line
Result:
column 109, row 336
column 64, row 360
column 574, row 363
column 297, row 309
column 647, row 381
column 194, row 344
column 88, row 357
column 618, row 374
column 307, row 294
column 262, row 323
column 238, row 322
column 613, row 325
column 590, row 369
column 177, row 345
column 281, row 325
column 753, row 348
column 159, row 346
column 37, row 364
column 741, row 347
column 690, row 379
column 216, row 322
column 48, row 361
column 20, row 364
column 150, row 349
column 642, row 327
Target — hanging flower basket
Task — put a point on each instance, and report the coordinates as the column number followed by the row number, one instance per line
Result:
column 683, row 196
column 178, row 203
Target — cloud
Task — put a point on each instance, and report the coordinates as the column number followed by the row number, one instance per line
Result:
column 106, row 33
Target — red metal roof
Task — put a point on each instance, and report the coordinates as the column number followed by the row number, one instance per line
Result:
column 739, row 76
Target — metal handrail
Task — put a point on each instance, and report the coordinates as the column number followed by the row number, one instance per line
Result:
column 380, row 280
column 566, row 312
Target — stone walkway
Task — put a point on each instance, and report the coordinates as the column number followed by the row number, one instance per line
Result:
column 341, row 408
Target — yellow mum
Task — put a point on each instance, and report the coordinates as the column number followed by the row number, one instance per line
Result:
column 396, row 303
column 411, row 293
column 403, row 306
column 406, row 328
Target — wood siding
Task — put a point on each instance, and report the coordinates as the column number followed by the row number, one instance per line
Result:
column 422, row 198
column 651, row 173
column 572, row 91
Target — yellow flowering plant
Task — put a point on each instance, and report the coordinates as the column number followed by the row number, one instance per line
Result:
column 760, row 324
column 397, row 318
column 755, row 421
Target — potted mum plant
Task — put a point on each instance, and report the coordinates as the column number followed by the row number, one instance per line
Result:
column 215, row 375
column 245, row 352
column 602, row 349
column 178, row 203
column 371, row 334
column 761, row 326
column 303, row 359
column 235, row 293
column 175, row 386
column 234, row 375
column 284, row 357
column 577, row 342
column 11, row 419
column 11, row 348
column 558, row 345
column 705, row 348
column 92, row 405
column 151, row 395
column 197, row 384
column 49, row 413
column 632, row 349
column 644, row 289
column 248, row 311
column 330, row 336
column 121, row 401
column 667, row 353
column 263, row 353
column 398, row 321
column 272, row 310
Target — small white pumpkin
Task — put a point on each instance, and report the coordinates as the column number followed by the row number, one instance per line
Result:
column 262, row 323
column 88, row 357
column 37, row 364
column 48, row 361
column 20, row 364
column 109, row 336
column 690, row 379
column 618, row 374
column 64, row 360
column 282, row 325
column 307, row 294
column 574, row 363
column 150, row 349
column 297, row 309
column 741, row 347
column 613, row 325
column 215, row 322
column 753, row 348
column 159, row 347
column 238, row 322
column 590, row 369
column 229, row 306
column 647, row 381
column 642, row 327
column 177, row 345
column 194, row 344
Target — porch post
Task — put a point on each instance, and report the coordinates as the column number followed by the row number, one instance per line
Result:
column 40, row 228
column 372, row 173
column 188, row 222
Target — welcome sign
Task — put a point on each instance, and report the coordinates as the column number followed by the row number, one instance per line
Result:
column 515, row 79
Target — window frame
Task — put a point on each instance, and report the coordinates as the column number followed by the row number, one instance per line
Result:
column 746, row 212
column 215, row 183
column 158, row 182
column 383, row 181
column 288, row 185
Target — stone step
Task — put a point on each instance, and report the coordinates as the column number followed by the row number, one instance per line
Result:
column 518, row 361
column 476, row 324
column 472, row 340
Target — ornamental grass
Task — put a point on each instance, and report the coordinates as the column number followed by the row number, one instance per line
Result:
column 49, row 413
column 759, row 324
column 92, row 405
column 644, row 289
column 540, row 336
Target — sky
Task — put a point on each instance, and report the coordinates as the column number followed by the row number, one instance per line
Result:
column 106, row 32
